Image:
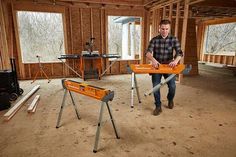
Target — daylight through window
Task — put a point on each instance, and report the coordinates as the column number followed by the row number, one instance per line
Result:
column 220, row 39
column 40, row 34
column 124, row 36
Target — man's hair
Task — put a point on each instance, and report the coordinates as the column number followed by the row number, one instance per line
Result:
column 165, row 22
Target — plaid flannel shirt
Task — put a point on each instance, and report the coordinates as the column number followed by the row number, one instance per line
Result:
column 162, row 49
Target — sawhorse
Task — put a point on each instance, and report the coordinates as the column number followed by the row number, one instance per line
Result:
column 91, row 91
column 147, row 68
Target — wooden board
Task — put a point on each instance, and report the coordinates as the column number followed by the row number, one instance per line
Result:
column 32, row 106
column 11, row 112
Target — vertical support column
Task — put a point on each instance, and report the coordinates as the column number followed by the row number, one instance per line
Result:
column 177, row 19
column 155, row 22
column 81, row 27
column 184, row 31
column 170, row 12
column 164, row 12
column 21, row 65
column 91, row 21
column 4, row 56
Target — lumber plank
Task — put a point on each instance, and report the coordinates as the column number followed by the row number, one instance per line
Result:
column 34, row 109
column 33, row 104
column 11, row 112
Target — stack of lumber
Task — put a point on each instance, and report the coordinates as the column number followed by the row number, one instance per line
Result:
column 12, row 111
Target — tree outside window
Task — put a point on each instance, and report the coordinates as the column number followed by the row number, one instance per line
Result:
column 220, row 39
column 124, row 36
column 41, row 34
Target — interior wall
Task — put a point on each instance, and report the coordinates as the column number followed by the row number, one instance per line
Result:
column 81, row 23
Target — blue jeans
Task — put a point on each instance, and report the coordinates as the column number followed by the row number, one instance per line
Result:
column 156, row 79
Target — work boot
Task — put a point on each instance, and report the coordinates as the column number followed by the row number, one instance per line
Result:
column 170, row 104
column 157, row 111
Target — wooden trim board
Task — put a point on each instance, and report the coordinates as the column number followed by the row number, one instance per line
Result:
column 33, row 105
column 11, row 112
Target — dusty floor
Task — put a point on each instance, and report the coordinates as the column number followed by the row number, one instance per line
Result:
column 202, row 123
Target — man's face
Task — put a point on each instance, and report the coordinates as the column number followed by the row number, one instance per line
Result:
column 164, row 30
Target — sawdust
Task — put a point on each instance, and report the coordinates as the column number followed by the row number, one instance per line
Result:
column 202, row 123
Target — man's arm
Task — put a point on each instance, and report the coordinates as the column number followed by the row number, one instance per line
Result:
column 179, row 53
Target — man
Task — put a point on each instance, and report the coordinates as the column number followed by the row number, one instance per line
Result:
column 160, row 51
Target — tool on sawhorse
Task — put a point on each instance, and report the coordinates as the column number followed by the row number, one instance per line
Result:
column 91, row 91
column 148, row 68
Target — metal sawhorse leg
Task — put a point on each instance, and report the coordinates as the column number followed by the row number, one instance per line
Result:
column 134, row 85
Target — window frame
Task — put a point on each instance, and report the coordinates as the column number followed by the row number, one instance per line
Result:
column 37, row 8
column 129, row 25
column 124, row 12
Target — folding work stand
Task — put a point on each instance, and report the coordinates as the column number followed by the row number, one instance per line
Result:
column 78, row 56
column 147, row 68
column 91, row 91
column 40, row 70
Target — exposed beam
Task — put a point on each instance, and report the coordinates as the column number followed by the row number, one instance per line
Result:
column 114, row 2
column 164, row 3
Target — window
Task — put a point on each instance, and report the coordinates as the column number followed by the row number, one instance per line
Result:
column 220, row 39
column 124, row 36
column 41, row 34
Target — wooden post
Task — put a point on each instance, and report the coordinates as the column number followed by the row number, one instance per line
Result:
column 164, row 12
column 177, row 19
column 91, row 21
column 184, row 32
column 21, row 65
column 3, row 42
column 81, row 27
column 185, row 23
column 170, row 12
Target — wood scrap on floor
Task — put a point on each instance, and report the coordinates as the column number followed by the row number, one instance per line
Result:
column 33, row 105
column 11, row 112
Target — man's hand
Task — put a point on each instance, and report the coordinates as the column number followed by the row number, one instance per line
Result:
column 155, row 63
column 173, row 63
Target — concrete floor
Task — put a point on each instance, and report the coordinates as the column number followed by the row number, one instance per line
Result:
column 202, row 123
